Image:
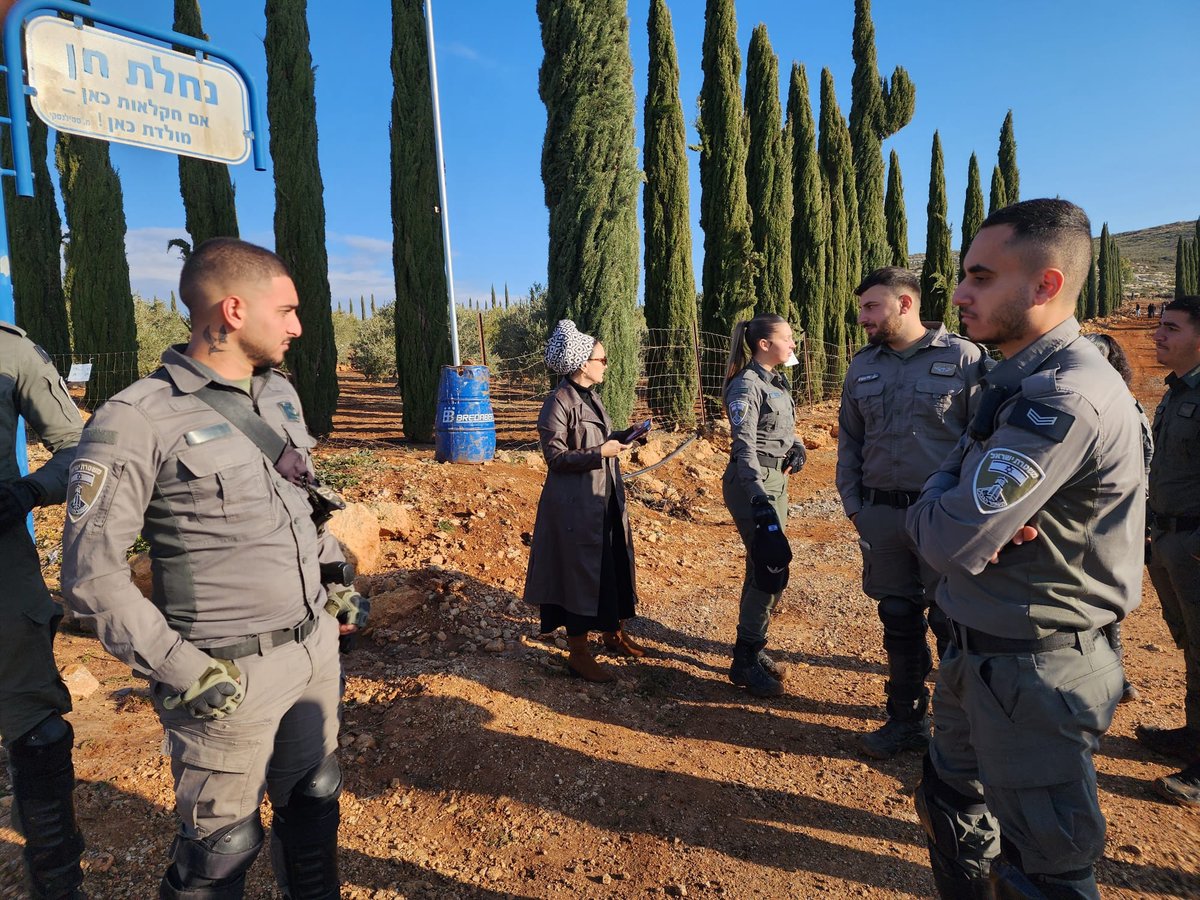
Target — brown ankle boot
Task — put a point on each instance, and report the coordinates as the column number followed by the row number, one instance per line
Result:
column 583, row 664
column 618, row 642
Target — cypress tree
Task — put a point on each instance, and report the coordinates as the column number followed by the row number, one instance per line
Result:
column 506, row 295
column 877, row 111
column 937, row 274
column 590, row 174
column 174, row 308
column 670, row 281
column 421, row 310
column 843, row 259
column 206, row 187
column 97, row 279
column 768, row 177
column 1008, row 161
column 373, row 305
column 897, row 218
column 1090, row 307
column 972, row 211
column 810, row 229
column 997, row 199
column 1181, row 266
column 300, row 206
column 493, row 306
column 41, row 304
column 362, row 307
column 1104, row 300
column 730, row 263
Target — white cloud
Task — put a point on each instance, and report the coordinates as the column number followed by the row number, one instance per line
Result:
column 153, row 269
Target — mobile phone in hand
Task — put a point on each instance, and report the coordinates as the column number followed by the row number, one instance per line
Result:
column 638, row 431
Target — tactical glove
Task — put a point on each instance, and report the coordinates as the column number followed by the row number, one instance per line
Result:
column 215, row 694
column 794, row 459
column 347, row 605
column 17, row 498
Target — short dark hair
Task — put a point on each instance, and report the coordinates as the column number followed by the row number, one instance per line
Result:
column 1055, row 232
column 893, row 277
column 222, row 261
column 1189, row 303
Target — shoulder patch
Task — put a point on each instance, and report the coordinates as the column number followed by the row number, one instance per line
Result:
column 98, row 436
column 1041, row 419
column 943, row 368
column 1187, row 410
column 738, row 408
column 84, row 485
column 289, row 410
column 870, row 376
column 1004, row 478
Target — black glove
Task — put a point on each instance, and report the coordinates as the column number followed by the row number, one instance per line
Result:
column 794, row 459
column 214, row 695
column 763, row 511
column 17, row 498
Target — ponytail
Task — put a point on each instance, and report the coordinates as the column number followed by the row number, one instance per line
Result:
column 746, row 335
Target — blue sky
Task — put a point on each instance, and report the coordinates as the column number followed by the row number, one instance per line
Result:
column 1105, row 96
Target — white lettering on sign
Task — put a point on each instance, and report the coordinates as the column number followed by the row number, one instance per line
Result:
column 119, row 88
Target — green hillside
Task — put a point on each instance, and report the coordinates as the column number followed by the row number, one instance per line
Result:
column 1152, row 250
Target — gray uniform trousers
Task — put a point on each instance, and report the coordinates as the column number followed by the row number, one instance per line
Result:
column 1017, row 732
column 1175, row 572
column 286, row 725
column 754, row 609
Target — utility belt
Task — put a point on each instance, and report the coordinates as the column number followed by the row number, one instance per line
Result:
column 1174, row 523
column 770, row 462
column 897, row 499
column 970, row 640
column 261, row 644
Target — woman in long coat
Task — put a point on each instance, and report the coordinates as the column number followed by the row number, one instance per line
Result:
column 581, row 569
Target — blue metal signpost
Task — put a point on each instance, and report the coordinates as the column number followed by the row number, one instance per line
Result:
column 92, row 65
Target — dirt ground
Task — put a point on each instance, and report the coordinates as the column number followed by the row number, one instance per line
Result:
column 476, row 768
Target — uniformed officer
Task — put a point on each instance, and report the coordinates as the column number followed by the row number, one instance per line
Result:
column 906, row 401
column 1175, row 532
column 1036, row 523
column 33, row 698
column 242, row 657
column 764, row 451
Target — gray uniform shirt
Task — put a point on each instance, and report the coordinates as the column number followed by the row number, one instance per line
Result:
column 762, row 419
column 233, row 549
column 1065, row 456
column 1175, row 469
column 901, row 413
column 31, row 387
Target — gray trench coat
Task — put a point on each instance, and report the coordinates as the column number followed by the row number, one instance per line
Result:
column 564, row 561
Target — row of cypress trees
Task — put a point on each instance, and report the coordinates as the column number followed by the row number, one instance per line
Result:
column 1187, row 265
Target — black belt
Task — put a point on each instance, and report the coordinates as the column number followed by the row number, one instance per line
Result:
column 1175, row 523
column 261, row 643
column 965, row 638
column 898, row 499
column 770, row 462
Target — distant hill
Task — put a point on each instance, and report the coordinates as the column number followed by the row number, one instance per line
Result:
column 1152, row 250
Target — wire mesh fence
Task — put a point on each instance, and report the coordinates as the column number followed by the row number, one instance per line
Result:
column 679, row 384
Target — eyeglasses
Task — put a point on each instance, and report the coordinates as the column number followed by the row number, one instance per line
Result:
column 603, row 360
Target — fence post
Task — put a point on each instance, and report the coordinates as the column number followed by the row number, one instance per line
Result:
column 804, row 349
column 699, row 373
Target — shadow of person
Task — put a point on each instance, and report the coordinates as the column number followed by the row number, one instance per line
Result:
column 631, row 791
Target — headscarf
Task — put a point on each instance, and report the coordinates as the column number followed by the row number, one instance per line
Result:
column 568, row 348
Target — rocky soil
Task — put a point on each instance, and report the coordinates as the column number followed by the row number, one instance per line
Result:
column 476, row 768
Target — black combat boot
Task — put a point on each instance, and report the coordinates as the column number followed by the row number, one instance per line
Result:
column 907, row 728
column 746, row 671
column 43, row 780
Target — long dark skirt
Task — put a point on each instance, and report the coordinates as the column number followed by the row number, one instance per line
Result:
column 616, row 601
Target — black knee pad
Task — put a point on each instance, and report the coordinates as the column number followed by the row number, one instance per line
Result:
column 902, row 618
column 216, row 865
column 42, row 773
column 321, row 785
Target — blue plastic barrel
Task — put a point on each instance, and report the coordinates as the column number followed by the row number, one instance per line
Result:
column 466, row 428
